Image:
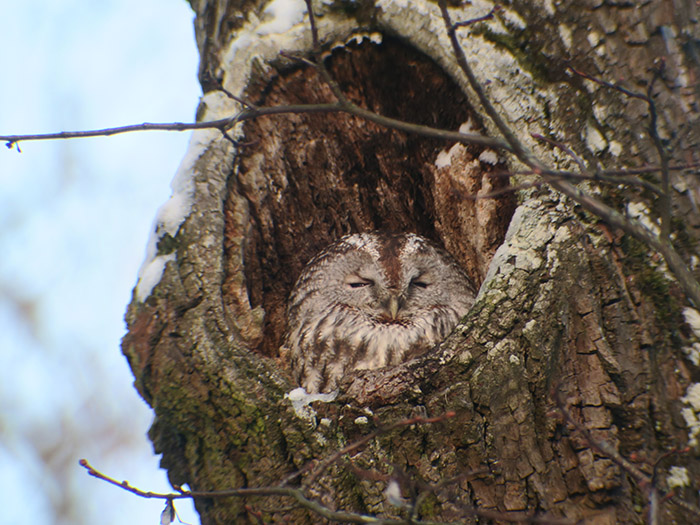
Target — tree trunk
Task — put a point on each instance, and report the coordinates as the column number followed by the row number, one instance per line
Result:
column 569, row 308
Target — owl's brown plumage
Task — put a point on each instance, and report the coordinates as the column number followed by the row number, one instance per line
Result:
column 371, row 300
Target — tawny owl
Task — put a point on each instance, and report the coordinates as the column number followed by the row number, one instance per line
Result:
column 371, row 300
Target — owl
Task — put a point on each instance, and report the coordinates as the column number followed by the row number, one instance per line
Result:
column 371, row 300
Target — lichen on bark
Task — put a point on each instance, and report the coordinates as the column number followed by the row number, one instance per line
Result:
column 560, row 309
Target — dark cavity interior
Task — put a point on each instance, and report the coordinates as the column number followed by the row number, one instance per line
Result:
column 309, row 179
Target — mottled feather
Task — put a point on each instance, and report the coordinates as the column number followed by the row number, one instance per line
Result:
column 371, row 300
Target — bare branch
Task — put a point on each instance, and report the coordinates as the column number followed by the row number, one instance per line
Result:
column 511, row 143
column 343, row 517
column 578, row 160
column 252, row 113
column 644, row 480
column 323, row 465
column 663, row 158
column 320, row 66
column 487, row 16
column 517, row 147
column 607, row 84
column 665, row 195
column 614, row 218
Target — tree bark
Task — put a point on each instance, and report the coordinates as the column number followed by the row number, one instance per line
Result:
column 569, row 308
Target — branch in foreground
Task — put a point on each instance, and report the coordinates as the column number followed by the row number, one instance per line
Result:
column 652, row 129
column 645, row 481
column 296, row 494
column 317, row 508
column 511, row 144
column 321, row 510
column 251, row 113
column 662, row 244
column 323, row 465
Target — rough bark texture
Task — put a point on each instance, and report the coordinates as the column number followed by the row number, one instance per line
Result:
column 566, row 305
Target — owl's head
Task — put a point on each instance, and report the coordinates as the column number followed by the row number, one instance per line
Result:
column 389, row 277
column 372, row 300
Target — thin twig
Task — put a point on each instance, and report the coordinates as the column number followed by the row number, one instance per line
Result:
column 577, row 176
column 578, row 160
column 665, row 201
column 317, row 508
column 297, row 58
column 249, row 114
column 346, row 517
column 427, row 489
column 675, row 262
column 320, row 66
column 584, row 174
column 650, row 169
column 665, row 196
column 472, row 21
column 321, row 466
column 617, row 87
column 519, row 149
column 238, row 99
column 622, row 172
column 504, row 191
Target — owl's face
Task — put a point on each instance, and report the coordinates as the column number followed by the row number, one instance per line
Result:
column 391, row 287
column 371, row 300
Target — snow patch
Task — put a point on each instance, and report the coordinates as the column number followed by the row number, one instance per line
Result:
column 640, row 212
column 677, row 477
column 467, row 127
column 392, row 492
column 283, row 15
column 172, row 214
column 615, row 148
column 595, row 139
column 358, row 38
column 272, row 31
column 693, row 353
column 690, row 413
column 566, row 35
column 444, row 158
column 301, row 400
column 692, row 319
column 488, row 156
column 150, row 274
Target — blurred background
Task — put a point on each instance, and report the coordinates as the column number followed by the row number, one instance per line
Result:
column 75, row 216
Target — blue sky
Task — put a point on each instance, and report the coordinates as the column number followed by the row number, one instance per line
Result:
column 74, row 220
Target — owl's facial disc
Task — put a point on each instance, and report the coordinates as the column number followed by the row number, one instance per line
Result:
column 354, row 281
column 371, row 300
column 421, row 281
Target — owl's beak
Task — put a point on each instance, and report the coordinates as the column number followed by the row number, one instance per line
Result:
column 393, row 306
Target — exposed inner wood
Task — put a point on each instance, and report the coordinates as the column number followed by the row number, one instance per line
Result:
column 309, row 179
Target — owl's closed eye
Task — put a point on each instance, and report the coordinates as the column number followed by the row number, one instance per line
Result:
column 371, row 300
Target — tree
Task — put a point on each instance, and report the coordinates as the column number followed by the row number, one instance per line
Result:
column 574, row 362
